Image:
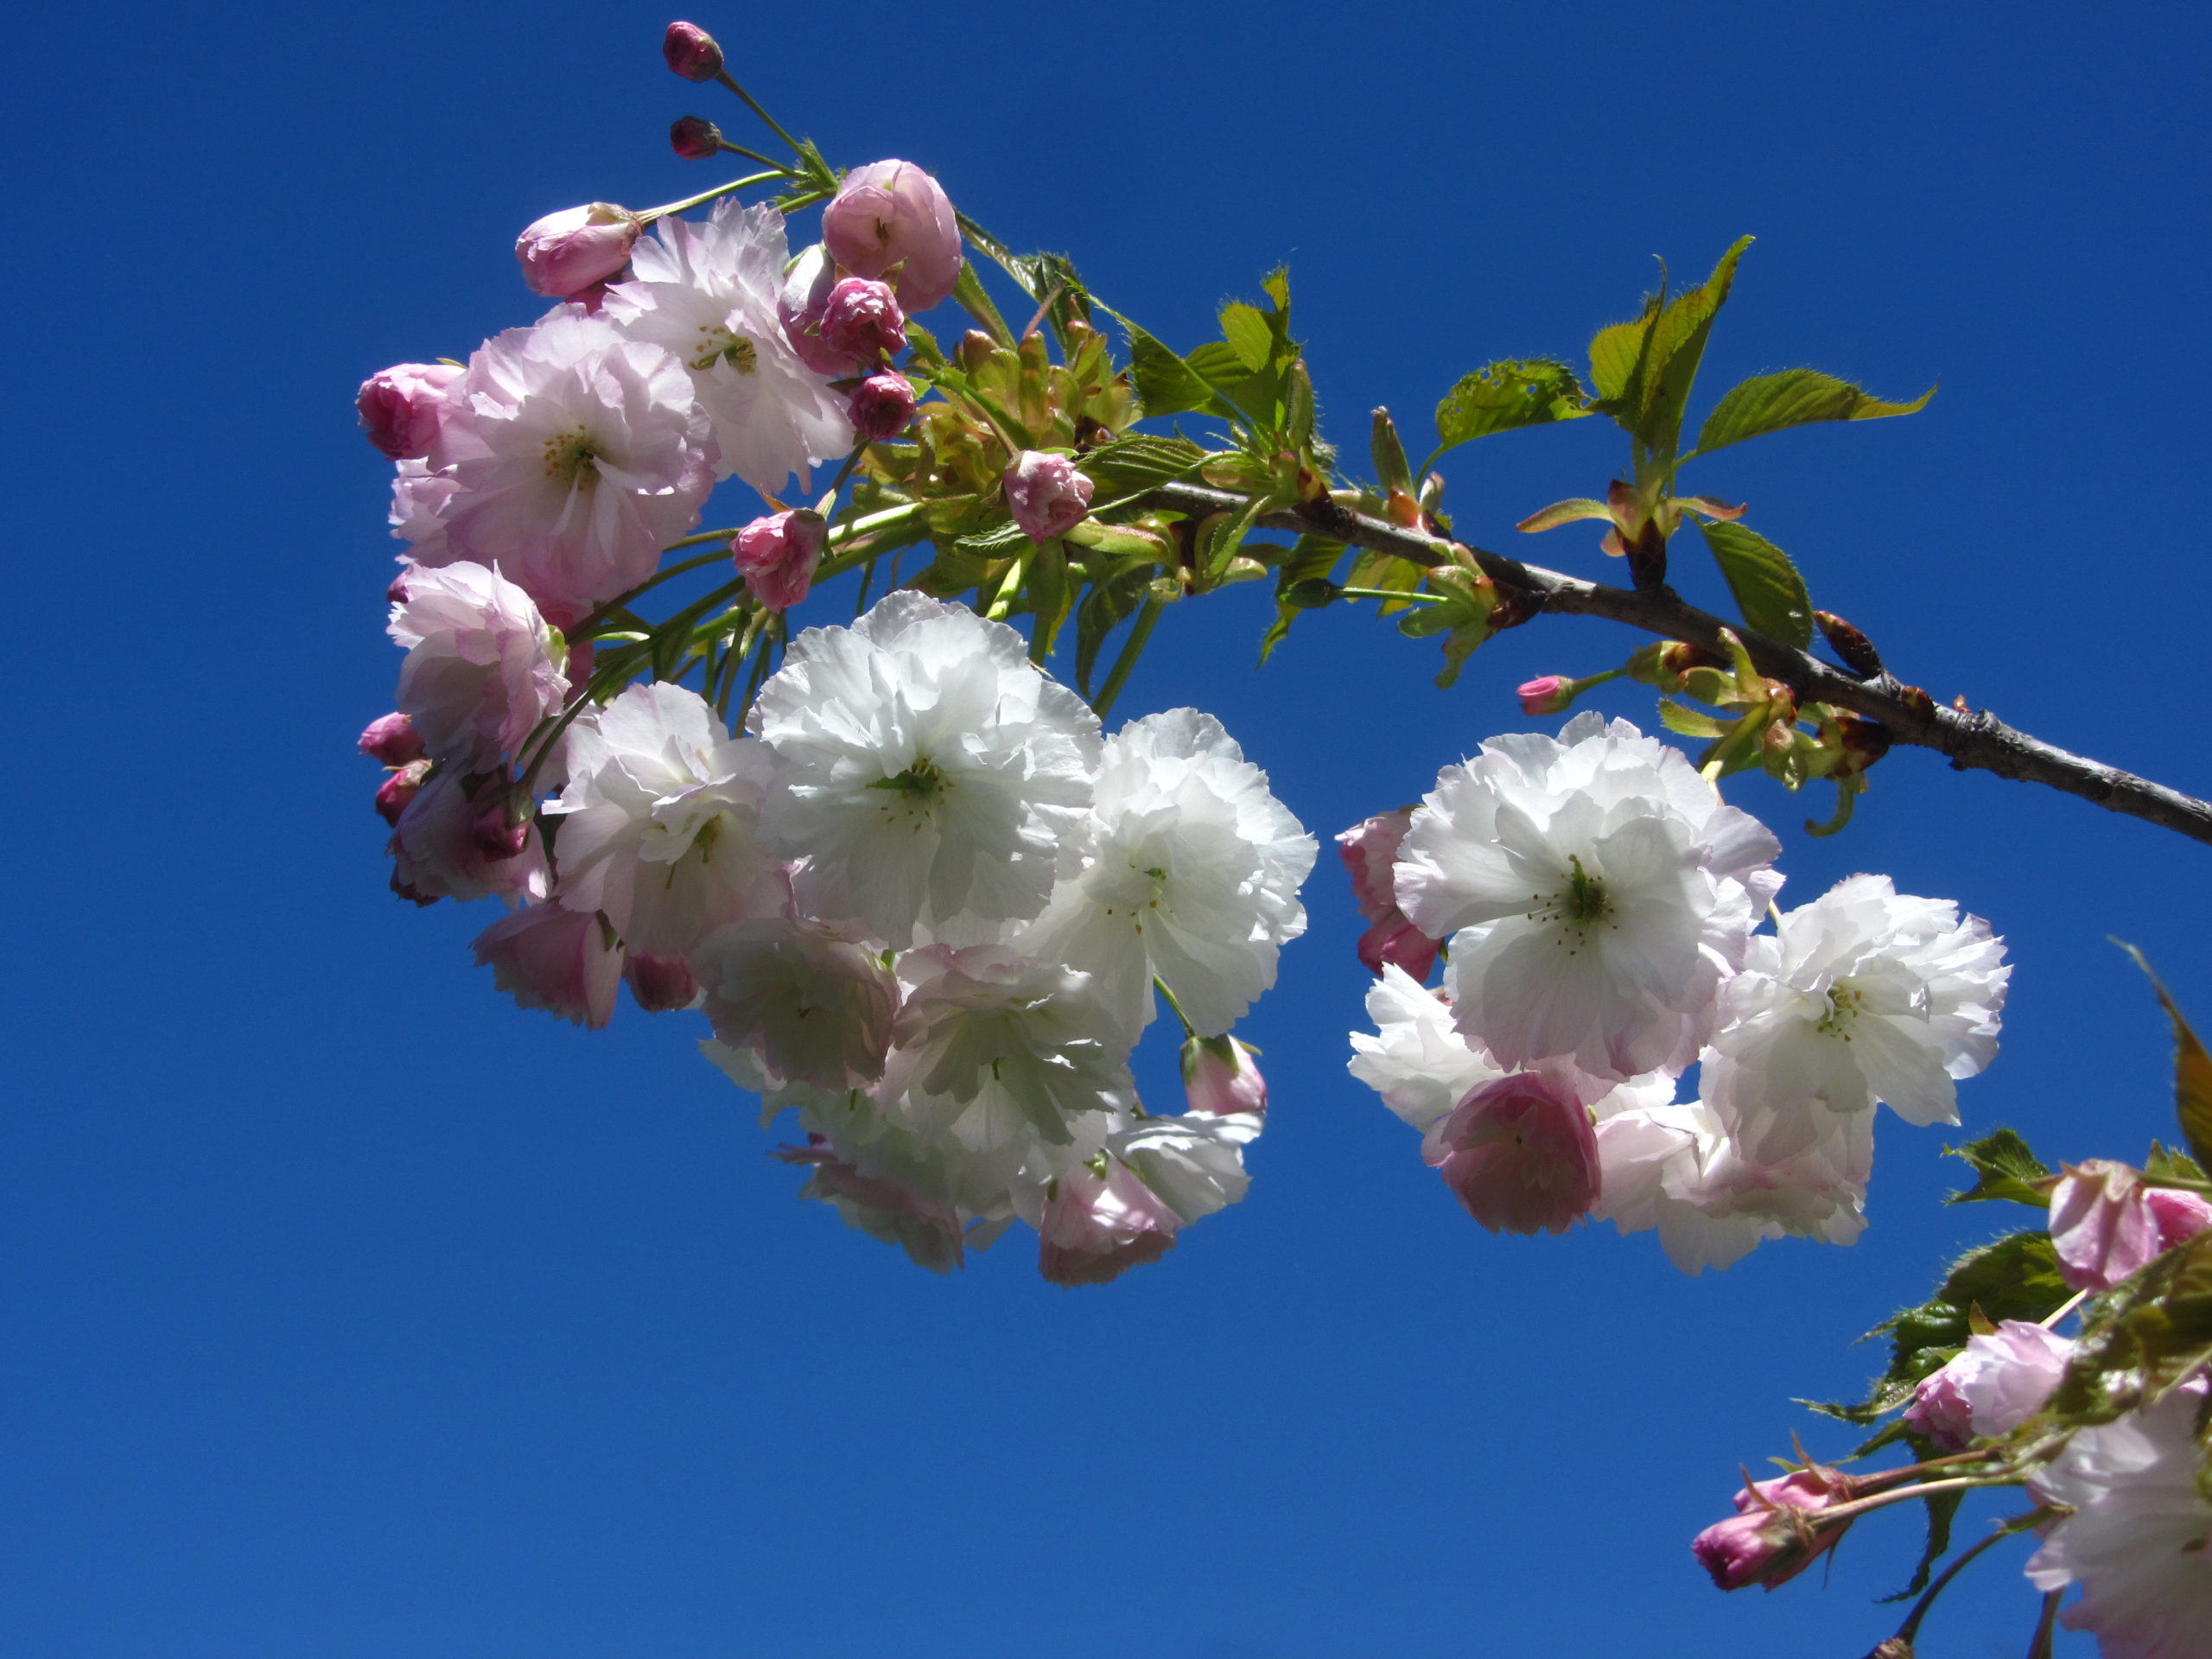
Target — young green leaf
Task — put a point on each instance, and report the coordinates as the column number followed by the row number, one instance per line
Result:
column 2004, row 1169
column 1644, row 370
column 1248, row 334
column 1768, row 590
column 1166, row 384
column 1772, row 402
column 1506, row 395
column 1136, row 462
column 1310, row 560
column 2192, row 1070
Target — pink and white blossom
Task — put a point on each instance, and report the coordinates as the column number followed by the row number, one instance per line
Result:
column 707, row 292
column 1045, row 494
column 562, row 961
column 1101, row 1221
column 817, row 1009
column 930, row 1231
column 1195, row 1163
column 2135, row 1541
column 482, row 667
column 1369, row 853
column 435, row 855
column 891, row 221
column 777, row 554
column 1661, row 1160
column 1995, row 1383
column 577, row 454
column 402, row 406
column 2103, row 1225
column 1519, row 1153
column 564, row 253
column 930, row 775
column 1597, row 891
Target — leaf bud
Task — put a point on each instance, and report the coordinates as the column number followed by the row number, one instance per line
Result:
column 694, row 138
column 975, row 349
column 1854, row 648
column 692, row 52
column 1391, row 468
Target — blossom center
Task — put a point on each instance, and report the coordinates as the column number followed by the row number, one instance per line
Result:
column 720, row 343
column 921, row 779
column 1845, row 1003
column 572, row 458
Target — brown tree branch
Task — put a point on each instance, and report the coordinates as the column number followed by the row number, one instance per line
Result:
column 1974, row 741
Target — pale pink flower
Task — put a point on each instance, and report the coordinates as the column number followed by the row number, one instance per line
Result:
column 567, row 252
column 660, row 984
column 560, row 960
column 2101, row 1226
column 419, row 498
column 1520, row 1154
column 1370, row 852
column 2135, row 1541
column 890, row 220
column 692, row 52
column 1101, row 1221
column 391, row 738
column 2179, row 1215
column 1995, row 1383
column 481, row 669
column 883, row 406
column 1776, row 1531
column 435, row 854
column 927, row 1228
column 578, row 455
column 1045, row 494
column 817, row 1009
column 401, row 406
column 1219, row 1077
column 777, row 555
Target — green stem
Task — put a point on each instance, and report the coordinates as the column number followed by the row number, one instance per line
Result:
column 1388, row 593
column 755, row 156
column 619, row 601
column 2018, row 1524
column 1160, row 985
column 751, row 103
column 1139, row 632
column 653, row 214
column 2040, row 1646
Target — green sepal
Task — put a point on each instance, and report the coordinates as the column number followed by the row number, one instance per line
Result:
column 2005, row 1169
column 1768, row 590
column 1774, row 403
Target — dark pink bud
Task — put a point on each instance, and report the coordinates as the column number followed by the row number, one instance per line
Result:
column 799, row 306
column 1045, row 494
column 694, row 138
column 1548, row 695
column 860, row 320
column 395, row 591
column 692, row 52
column 1521, row 1153
column 883, row 404
column 660, row 984
column 501, row 830
column 401, row 406
column 394, row 793
column 393, row 739
column 777, row 555
column 1370, row 852
column 1396, row 941
column 890, row 220
column 565, row 253
column 1776, row 1532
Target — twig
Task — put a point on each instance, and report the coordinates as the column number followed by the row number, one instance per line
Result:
column 1977, row 741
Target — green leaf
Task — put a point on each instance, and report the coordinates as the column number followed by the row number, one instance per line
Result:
column 2163, row 1164
column 1644, row 370
column 1139, row 462
column 1688, row 722
column 999, row 543
column 1768, row 590
column 1508, row 394
column 2005, row 1169
column 1166, row 384
column 1254, row 393
column 1248, row 334
column 2192, row 1070
column 1311, row 559
column 1773, row 403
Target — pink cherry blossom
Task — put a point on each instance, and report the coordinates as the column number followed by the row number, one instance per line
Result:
column 816, row 1007
column 1776, row 1533
column 480, row 671
column 2179, row 1215
column 1370, row 852
column 660, row 984
column 1549, row 694
column 401, row 406
column 435, row 854
column 801, row 302
column 860, row 320
column 1219, row 1077
column 890, row 220
column 1045, row 494
column 1521, row 1154
column 567, row 252
column 393, row 739
column 883, row 404
column 1995, row 1383
column 575, row 455
column 927, row 1228
column 1099, row 1222
column 548, row 956
column 777, row 555
column 2101, row 1226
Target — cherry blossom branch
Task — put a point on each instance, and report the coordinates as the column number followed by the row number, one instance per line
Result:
column 1975, row 741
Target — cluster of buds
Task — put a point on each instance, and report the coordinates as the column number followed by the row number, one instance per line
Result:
column 1781, row 1526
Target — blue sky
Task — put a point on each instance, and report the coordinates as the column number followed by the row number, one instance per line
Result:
column 346, row 1310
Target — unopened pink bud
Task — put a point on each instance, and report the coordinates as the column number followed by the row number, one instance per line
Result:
column 393, row 739
column 883, row 404
column 1550, row 695
column 498, row 832
column 565, row 253
column 401, row 406
column 692, row 52
column 1776, row 1532
column 694, row 138
column 799, row 306
column 777, row 555
column 660, row 984
column 890, row 220
column 861, row 320
column 2179, row 1215
column 397, row 790
column 1045, row 494
column 1219, row 1077
column 1521, row 1154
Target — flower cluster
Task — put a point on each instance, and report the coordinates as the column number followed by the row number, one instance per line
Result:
column 1599, row 909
